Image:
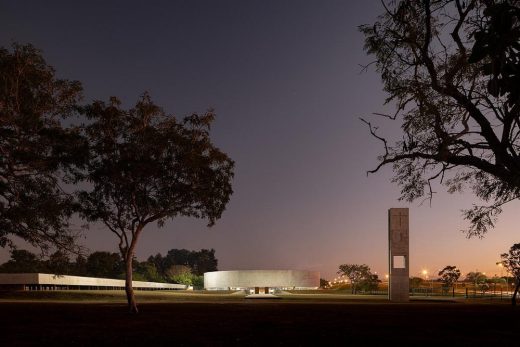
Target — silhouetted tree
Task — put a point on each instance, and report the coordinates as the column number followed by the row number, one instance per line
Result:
column 369, row 283
column 178, row 257
column 159, row 261
column 497, row 46
column 79, row 267
column 476, row 278
column 36, row 150
column 449, row 276
column 203, row 261
column 22, row 261
column 511, row 261
column 59, row 263
column 355, row 273
column 451, row 68
column 198, row 262
column 146, row 167
column 105, row 265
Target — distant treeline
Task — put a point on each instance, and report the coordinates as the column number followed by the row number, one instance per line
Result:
column 177, row 266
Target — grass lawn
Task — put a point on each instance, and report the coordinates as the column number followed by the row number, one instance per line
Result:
column 115, row 296
column 82, row 318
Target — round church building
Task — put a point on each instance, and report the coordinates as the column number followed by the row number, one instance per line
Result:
column 262, row 281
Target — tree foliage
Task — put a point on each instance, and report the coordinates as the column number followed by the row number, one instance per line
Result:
column 104, row 265
column 148, row 272
column 146, row 167
column 475, row 277
column 36, row 149
column 189, row 279
column 185, row 278
column 198, row 262
column 449, row 275
column 356, row 274
column 497, row 46
column 451, row 68
column 369, row 283
column 184, row 266
column 131, row 167
column 59, row 263
column 22, row 261
column 511, row 261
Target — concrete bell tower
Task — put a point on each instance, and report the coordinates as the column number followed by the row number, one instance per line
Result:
column 399, row 254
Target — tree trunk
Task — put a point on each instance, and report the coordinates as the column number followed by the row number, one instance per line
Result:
column 513, row 298
column 132, row 305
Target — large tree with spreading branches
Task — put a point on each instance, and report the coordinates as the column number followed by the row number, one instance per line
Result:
column 37, row 150
column 451, row 68
column 146, row 167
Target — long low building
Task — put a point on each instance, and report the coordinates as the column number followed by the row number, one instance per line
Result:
column 261, row 281
column 39, row 281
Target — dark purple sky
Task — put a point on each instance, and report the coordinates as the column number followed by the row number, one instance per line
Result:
column 284, row 78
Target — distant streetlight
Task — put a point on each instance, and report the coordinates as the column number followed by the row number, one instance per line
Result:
column 425, row 274
column 501, row 266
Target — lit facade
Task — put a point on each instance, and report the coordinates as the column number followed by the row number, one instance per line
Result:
column 261, row 281
column 39, row 281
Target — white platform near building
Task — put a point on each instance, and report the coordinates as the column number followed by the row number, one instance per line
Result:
column 262, row 296
column 40, row 281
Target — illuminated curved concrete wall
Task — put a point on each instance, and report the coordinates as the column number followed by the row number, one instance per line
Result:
column 299, row 279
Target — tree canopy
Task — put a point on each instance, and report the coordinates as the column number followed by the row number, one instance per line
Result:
column 129, row 168
column 511, row 261
column 36, row 149
column 22, row 261
column 475, row 277
column 449, row 275
column 197, row 262
column 146, row 167
column 451, row 69
column 357, row 274
column 104, row 265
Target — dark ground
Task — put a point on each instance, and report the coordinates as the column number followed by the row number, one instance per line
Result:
column 271, row 322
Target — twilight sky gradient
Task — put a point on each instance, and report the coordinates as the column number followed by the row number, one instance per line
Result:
column 284, row 79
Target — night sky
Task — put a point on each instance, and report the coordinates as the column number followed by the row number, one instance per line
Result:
column 285, row 80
